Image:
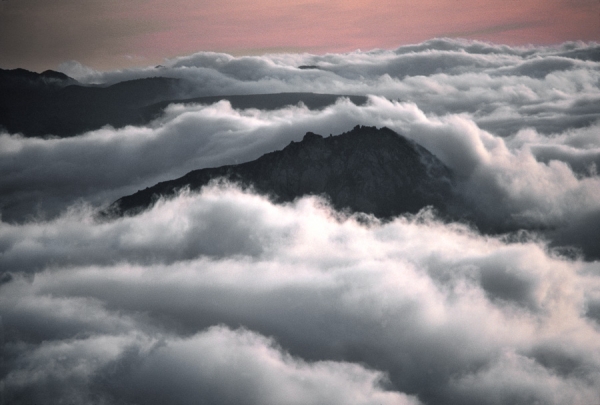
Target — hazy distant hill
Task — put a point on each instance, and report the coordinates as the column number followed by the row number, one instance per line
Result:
column 52, row 103
column 367, row 169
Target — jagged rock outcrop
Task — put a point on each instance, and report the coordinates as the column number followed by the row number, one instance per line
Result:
column 367, row 169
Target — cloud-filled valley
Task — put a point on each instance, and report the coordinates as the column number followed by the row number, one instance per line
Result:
column 226, row 296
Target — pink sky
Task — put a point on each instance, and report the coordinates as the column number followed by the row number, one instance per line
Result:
column 107, row 34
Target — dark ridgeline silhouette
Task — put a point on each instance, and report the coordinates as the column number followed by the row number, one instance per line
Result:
column 367, row 170
column 52, row 103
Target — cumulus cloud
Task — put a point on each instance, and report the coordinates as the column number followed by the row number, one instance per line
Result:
column 225, row 296
column 218, row 365
column 334, row 309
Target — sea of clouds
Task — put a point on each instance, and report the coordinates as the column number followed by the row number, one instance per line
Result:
column 224, row 297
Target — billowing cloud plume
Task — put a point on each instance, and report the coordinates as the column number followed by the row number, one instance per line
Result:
column 442, row 314
column 218, row 365
column 227, row 297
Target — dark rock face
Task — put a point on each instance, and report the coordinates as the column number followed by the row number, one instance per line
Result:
column 368, row 170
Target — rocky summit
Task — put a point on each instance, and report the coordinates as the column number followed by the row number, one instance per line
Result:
column 367, row 169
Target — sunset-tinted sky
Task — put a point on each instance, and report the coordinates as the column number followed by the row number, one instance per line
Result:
column 106, row 34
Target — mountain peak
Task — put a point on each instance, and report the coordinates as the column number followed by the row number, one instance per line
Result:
column 311, row 136
column 53, row 74
column 367, row 169
column 23, row 77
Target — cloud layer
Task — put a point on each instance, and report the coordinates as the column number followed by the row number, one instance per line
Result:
column 227, row 297
column 332, row 309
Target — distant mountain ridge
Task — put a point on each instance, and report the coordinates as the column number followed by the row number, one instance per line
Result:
column 53, row 104
column 23, row 77
column 369, row 170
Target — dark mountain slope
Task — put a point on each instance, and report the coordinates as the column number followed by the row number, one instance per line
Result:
column 367, row 169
